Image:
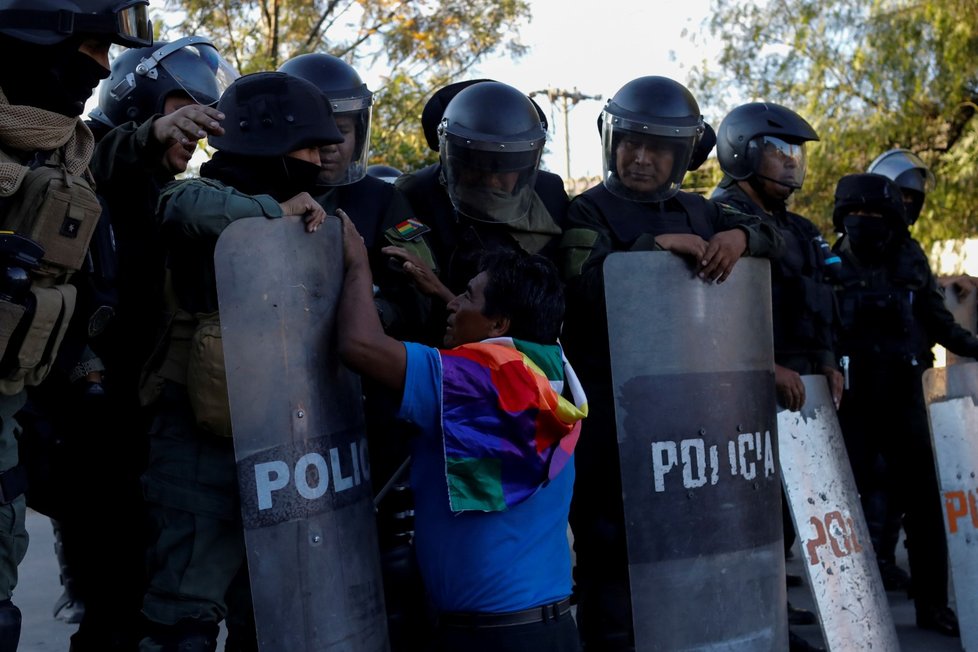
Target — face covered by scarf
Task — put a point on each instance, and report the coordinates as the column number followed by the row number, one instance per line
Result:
column 282, row 177
column 869, row 237
column 57, row 78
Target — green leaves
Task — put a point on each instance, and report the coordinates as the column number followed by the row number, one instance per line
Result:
column 869, row 75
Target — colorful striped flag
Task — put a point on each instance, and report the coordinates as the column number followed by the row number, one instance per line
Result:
column 507, row 427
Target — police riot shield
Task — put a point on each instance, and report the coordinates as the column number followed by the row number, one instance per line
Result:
column 298, row 428
column 951, row 393
column 965, row 311
column 693, row 376
column 821, row 492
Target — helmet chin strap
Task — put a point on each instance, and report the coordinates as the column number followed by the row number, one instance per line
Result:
column 772, row 204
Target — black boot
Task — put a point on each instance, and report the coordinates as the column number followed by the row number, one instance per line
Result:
column 69, row 608
column 9, row 626
column 939, row 619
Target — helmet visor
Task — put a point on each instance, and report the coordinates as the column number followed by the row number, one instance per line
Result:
column 489, row 186
column 345, row 163
column 198, row 68
column 135, row 29
column 778, row 160
column 643, row 166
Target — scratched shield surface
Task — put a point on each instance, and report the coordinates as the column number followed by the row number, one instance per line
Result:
column 841, row 565
column 951, row 393
column 965, row 311
column 306, row 497
column 693, row 372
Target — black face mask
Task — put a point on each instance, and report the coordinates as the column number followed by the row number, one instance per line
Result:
column 301, row 175
column 869, row 237
column 282, row 177
column 58, row 78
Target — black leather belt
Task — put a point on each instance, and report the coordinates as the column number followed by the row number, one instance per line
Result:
column 540, row 614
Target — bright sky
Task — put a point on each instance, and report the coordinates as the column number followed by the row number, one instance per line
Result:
column 598, row 48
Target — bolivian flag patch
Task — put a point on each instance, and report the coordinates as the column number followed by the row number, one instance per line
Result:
column 411, row 229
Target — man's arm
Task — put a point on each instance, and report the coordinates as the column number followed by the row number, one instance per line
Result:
column 364, row 346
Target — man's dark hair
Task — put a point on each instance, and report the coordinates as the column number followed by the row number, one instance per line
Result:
column 527, row 290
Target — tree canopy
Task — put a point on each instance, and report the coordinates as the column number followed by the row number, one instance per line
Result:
column 869, row 75
column 420, row 46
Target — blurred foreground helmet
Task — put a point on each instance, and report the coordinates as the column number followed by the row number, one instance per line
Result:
column 868, row 193
column 383, row 172
column 649, row 132
column 753, row 131
column 48, row 22
column 272, row 114
column 351, row 100
column 910, row 173
column 490, row 142
column 143, row 78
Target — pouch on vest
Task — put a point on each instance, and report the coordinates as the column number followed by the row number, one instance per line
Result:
column 206, row 381
column 56, row 209
column 33, row 347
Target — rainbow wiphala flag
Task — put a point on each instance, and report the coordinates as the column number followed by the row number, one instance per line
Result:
column 507, row 428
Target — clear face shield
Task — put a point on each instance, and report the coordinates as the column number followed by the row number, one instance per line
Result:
column 193, row 63
column 778, row 161
column 346, row 162
column 645, row 162
column 487, row 183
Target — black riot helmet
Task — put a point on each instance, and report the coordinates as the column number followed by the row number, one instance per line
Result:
column 142, row 79
column 871, row 193
column 910, row 173
column 650, row 128
column 351, row 99
column 752, row 131
column 272, row 114
column 434, row 109
column 49, row 22
column 490, row 143
column 383, row 172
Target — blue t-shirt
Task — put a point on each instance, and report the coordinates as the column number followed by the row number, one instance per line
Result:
column 479, row 562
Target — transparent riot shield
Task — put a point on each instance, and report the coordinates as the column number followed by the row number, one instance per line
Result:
column 693, row 373
column 297, row 421
column 951, row 393
column 821, row 492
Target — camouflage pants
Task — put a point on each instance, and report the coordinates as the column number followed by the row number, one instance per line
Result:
column 198, row 569
column 13, row 528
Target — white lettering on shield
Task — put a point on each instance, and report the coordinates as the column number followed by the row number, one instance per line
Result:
column 749, row 456
column 312, row 472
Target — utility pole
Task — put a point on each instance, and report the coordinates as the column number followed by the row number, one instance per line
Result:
column 568, row 99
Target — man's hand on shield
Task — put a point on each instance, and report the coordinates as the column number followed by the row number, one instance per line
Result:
column 722, row 252
column 354, row 251
column 836, row 384
column 791, row 389
column 303, row 204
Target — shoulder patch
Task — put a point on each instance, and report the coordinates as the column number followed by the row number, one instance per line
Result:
column 410, row 229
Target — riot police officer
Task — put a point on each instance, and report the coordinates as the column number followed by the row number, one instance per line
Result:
column 151, row 111
column 761, row 150
column 265, row 161
column 486, row 191
column 55, row 52
column 650, row 130
column 892, row 313
column 382, row 215
column 915, row 180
